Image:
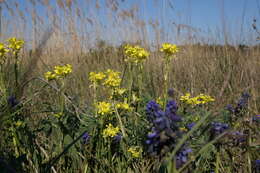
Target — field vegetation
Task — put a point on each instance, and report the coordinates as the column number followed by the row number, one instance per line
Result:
column 93, row 86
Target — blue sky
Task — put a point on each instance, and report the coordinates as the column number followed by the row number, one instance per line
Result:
column 207, row 17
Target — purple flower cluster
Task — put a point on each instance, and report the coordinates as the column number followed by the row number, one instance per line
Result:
column 238, row 137
column 85, row 138
column 218, row 128
column 256, row 118
column 241, row 104
column 257, row 165
column 182, row 157
column 164, row 127
column 12, row 101
column 190, row 125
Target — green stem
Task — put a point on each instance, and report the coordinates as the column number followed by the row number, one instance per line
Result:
column 121, row 124
column 130, row 71
column 16, row 70
column 166, row 80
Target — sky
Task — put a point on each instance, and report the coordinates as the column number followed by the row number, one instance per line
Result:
column 208, row 19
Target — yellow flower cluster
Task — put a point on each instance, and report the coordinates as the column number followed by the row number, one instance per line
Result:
column 198, row 100
column 58, row 115
column 113, row 78
column 3, row 50
column 110, row 78
column 169, row 49
column 58, row 72
column 123, row 106
column 104, row 108
column 15, row 44
column 19, row 124
column 159, row 101
column 110, row 131
column 135, row 54
column 96, row 77
column 135, row 151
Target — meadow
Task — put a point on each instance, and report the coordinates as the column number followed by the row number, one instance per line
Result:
column 80, row 93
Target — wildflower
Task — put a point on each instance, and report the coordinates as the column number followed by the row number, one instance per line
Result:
column 240, row 106
column 190, row 125
column 62, row 71
column 119, row 91
column 58, row 72
column 135, row 54
column 135, row 151
column 152, row 108
column 202, row 99
column 3, row 51
column 85, row 138
column 110, row 131
column 169, row 49
column 171, row 92
column 123, row 106
column 230, row 108
column 237, row 137
column 184, row 129
column 171, row 110
column 104, row 108
column 198, row 100
column 49, row 75
column 113, row 78
column 185, row 98
column 117, row 138
column 96, row 77
column 15, row 45
column 19, row 124
column 256, row 118
column 182, row 157
column 159, row 101
column 58, row 115
column 257, row 165
column 164, row 126
column 135, row 98
column 242, row 103
column 12, row 101
column 218, row 128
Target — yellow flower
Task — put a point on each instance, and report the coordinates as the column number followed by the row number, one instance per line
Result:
column 15, row 44
column 159, row 101
column 198, row 100
column 19, row 123
column 183, row 129
column 185, row 98
column 119, row 91
column 169, row 49
column 49, row 75
column 110, row 131
column 3, row 50
column 104, row 108
column 62, row 71
column 135, row 98
column 96, row 77
column 135, row 54
column 135, row 151
column 123, row 106
column 58, row 72
column 58, row 115
column 113, row 78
